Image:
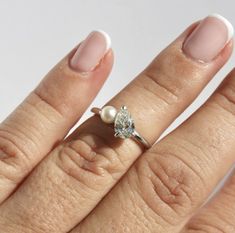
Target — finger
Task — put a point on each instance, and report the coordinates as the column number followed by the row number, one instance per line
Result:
column 218, row 215
column 47, row 114
column 165, row 187
column 82, row 170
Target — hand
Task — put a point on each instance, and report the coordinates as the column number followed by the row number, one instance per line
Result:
column 94, row 182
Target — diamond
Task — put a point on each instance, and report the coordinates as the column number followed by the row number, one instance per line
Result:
column 123, row 124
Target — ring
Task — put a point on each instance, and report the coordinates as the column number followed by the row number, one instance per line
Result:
column 124, row 126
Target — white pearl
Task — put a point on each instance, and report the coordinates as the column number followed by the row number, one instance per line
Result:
column 108, row 114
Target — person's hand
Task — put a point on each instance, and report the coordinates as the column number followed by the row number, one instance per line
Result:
column 92, row 181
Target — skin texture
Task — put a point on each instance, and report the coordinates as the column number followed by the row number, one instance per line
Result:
column 93, row 182
column 44, row 118
column 169, row 181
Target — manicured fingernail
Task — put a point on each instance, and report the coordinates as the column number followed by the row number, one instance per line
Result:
column 208, row 38
column 91, row 51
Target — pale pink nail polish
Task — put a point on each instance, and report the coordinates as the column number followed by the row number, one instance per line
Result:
column 91, row 51
column 208, row 38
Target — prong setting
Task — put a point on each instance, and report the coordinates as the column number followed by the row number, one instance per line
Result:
column 123, row 124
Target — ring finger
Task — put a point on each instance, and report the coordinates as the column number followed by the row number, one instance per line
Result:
column 168, row 184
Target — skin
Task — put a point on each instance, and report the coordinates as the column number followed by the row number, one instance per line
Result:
column 93, row 182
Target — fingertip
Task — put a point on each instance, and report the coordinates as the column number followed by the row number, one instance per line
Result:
column 91, row 51
column 205, row 43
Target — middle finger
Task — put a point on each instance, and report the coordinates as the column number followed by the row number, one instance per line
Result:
column 83, row 169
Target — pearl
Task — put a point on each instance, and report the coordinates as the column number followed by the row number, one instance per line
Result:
column 108, row 114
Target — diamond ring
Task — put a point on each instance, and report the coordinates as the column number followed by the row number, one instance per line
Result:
column 124, row 126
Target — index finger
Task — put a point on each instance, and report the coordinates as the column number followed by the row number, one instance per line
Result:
column 49, row 112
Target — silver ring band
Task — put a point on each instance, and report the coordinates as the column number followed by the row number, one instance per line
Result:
column 123, row 123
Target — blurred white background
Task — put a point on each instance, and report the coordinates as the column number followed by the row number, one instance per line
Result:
column 36, row 34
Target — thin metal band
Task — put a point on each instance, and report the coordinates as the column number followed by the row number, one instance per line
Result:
column 135, row 134
column 96, row 111
column 139, row 138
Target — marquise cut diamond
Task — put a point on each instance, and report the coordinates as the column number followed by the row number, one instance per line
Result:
column 123, row 124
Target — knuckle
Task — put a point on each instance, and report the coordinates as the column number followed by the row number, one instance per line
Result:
column 166, row 178
column 225, row 95
column 166, row 78
column 90, row 160
column 43, row 103
column 59, row 98
column 158, row 88
column 19, row 137
column 8, row 146
column 13, row 158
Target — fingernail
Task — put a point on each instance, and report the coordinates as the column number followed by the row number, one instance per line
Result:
column 91, row 51
column 208, row 38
